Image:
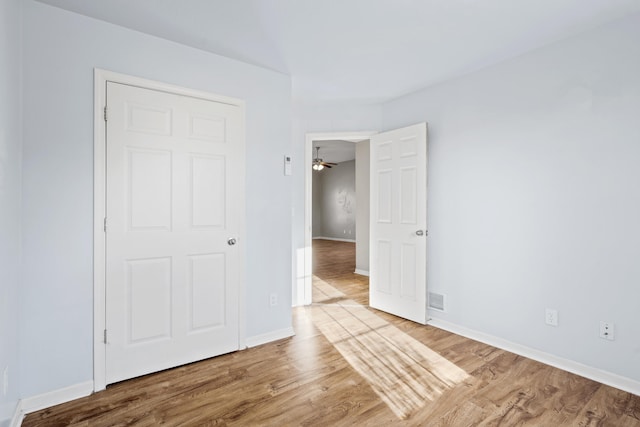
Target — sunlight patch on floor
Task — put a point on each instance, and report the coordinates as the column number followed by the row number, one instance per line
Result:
column 324, row 292
column 405, row 373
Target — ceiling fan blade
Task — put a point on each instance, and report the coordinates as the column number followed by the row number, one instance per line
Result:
column 317, row 161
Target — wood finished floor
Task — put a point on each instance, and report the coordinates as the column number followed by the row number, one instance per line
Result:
column 320, row 377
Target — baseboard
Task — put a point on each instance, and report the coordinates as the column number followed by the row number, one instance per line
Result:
column 55, row 397
column 335, row 239
column 362, row 272
column 257, row 340
column 604, row 377
column 18, row 415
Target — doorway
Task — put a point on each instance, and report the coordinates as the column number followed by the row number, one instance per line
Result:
column 305, row 295
column 335, row 207
column 398, row 190
column 169, row 203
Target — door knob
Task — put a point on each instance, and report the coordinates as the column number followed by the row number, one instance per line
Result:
column 231, row 241
column 419, row 233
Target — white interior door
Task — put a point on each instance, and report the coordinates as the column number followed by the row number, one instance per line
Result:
column 398, row 245
column 173, row 202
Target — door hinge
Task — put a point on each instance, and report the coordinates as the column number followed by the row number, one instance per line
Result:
column 105, row 224
column 105, row 336
column 105, row 113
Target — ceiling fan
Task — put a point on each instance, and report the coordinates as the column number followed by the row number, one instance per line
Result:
column 319, row 164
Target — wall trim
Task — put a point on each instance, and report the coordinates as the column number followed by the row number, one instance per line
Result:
column 335, row 239
column 18, row 415
column 595, row 374
column 52, row 398
column 257, row 340
column 361, row 272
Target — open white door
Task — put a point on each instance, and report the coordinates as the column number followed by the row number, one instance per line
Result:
column 174, row 206
column 398, row 241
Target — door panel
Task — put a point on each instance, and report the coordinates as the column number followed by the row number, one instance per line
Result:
column 206, row 285
column 173, row 201
column 149, row 189
column 148, row 299
column 207, row 188
column 399, row 210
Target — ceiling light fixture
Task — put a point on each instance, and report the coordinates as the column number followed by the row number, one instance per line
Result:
column 319, row 164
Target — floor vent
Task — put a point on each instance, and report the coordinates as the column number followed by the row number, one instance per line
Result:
column 436, row 301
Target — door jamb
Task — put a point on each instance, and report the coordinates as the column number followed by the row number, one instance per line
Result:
column 101, row 77
column 305, row 297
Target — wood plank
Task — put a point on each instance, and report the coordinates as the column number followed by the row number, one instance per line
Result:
column 308, row 380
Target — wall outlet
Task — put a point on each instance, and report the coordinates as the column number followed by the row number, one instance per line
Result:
column 5, row 381
column 551, row 317
column 273, row 299
column 607, row 330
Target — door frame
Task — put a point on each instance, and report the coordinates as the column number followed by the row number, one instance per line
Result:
column 305, row 297
column 101, row 77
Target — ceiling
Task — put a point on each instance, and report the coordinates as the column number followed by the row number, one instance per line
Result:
column 360, row 50
column 335, row 151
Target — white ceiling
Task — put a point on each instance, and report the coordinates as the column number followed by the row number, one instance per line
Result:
column 360, row 50
column 335, row 151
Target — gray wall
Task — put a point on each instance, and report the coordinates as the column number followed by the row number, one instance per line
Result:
column 10, row 136
column 334, row 201
column 362, row 210
column 316, row 204
column 534, row 196
column 60, row 51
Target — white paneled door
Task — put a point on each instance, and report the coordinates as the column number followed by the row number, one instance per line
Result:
column 398, row 228
column 173, row 207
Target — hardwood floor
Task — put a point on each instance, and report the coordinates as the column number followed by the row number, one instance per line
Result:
column 351, row 365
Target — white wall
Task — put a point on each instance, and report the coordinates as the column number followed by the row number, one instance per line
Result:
column 60, row 51
column 10, row 137
column 316, row 119
column 336, row 201
column 534, row 196
column 362, row 208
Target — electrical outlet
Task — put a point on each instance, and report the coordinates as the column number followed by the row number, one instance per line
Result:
column 5, row 381
column 551, row 317
column 273, row 299
column 607, row 330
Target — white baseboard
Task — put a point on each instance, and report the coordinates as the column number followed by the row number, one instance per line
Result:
column 18, row 415
column 55, row 397
column 362, row 272
column 604, row 377
column 269, row 337
column 335, row 239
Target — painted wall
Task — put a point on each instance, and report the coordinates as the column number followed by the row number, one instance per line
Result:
column 336, row 201
column 10, row 147
column 534, row 196
column 316, row 119
column 60, row 51
column 316, row 204
column 362, row 208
